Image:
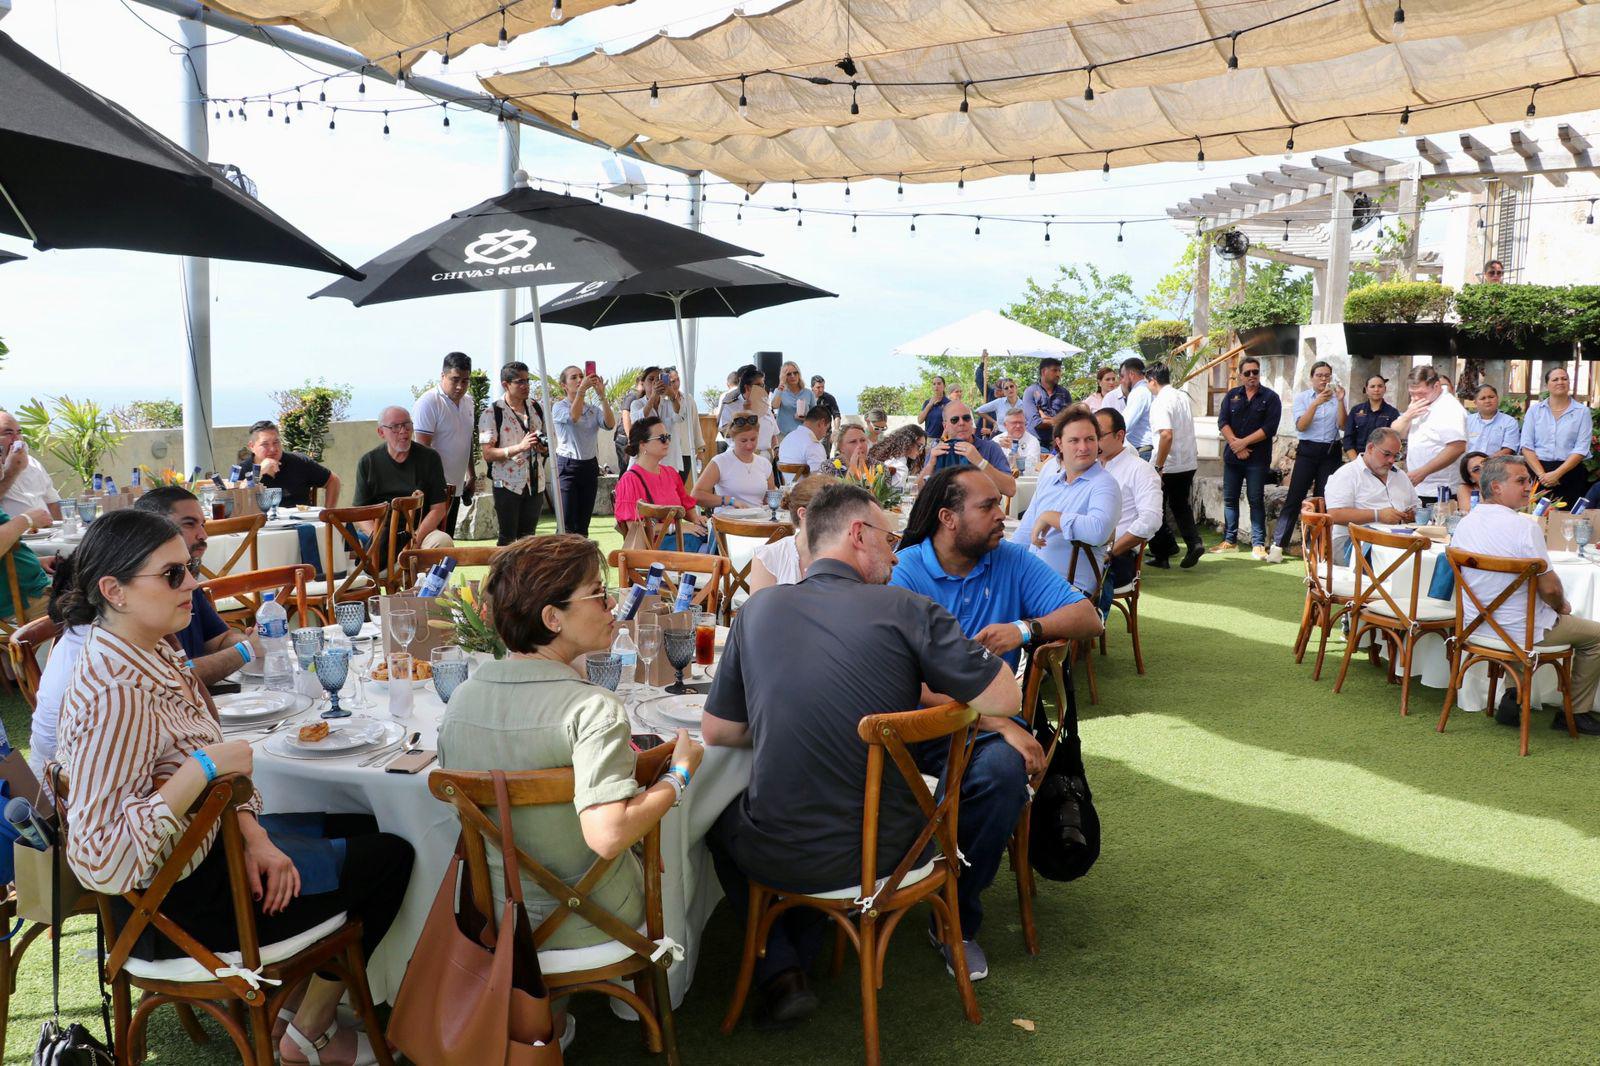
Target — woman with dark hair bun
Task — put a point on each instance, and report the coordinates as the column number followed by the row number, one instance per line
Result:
column 651, row 479
column 141, row 744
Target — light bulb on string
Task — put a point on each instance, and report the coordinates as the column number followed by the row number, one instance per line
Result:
column 332, row 115
column 399, row 71
column 242, row 116
column 798, row 219
column 655, row 95
column 1285, row 231
column 738, row 214
column 270, row 113
column 1105, row 168
column 574, row 119
column 444, row 57
column 386, row 123
column 1405, row 121
column 1119, row 231
column 793, row 194
column 744, row 101
column 855, row 108
column 853, row 222
column 1088, row 85
column 322, row 94
column 1397, row 28
column 504, row 39
column 847, row 188
column 1590, row 220
column 556, row 14
column 446, row 111
column 961, row 182
column 299, row 105
column 361, row 81
column 230, row 112
column 1233, row 55
column 965, row 104
column 977, row 226
column 1533, row 110
column 216, row 111
column 1047, row 233
column 900, row 187
column 1033, row 176
column 1288, row 146
column 1200, row 155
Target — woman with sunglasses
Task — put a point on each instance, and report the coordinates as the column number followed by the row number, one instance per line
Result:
column 650, row 479
column 752, row 403
column 534, row 711
column 994, row 412
column 738, row 477
column 142, row 746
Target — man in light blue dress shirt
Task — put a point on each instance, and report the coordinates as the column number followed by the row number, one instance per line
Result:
column 1557, row 436
column 1136, row 409
column 1075, row 501
column 1489, row 429
column 1319, row 416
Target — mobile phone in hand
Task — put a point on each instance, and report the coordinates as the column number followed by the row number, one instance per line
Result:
column 646, row 741
column 588, row 368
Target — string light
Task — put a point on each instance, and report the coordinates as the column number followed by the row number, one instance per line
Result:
column 446, row 111
column 900, row 187
column 299, row 105
column 798, row 220
column 1285, row 231
column 964, row 102
column 655, row 95
column 855, row 108
column 286, row 116
column 574, row 118
column 361, row 84
column 1088, row 85
column 1105, row 168
column 853, row 223
column 846, row 190
column 1590, row 219
column 331, row 116
column 961, row 183
column 977, row 227
column 1200, row 155
column 1233, row 56
column 504, row 40
column 1288, row 146
column 1033, row 177
column 1047, row 233
column 444, row 59
column 386, row 123
column 1529, row 115
column 1405, row 121
column 399, row 72
column 913, row 224
column 242, row 116
column 1397, row 29
column 794, row 193
column 744, row 102
column 269, row 107
column 322, row 94
column 1119, row 231
column 556, row 14
column 216, row 111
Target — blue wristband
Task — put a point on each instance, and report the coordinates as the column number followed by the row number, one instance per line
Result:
column 206, row 764
column 680, row 773
column 243, row 648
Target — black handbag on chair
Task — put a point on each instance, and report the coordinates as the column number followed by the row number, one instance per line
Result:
column 1064, row 828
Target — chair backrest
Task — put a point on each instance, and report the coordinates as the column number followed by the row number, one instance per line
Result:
column 739, row 577
column 1316, row 545
column 287, row 583
column 1043, row 659
column 1524, row 583
column 657, row 521
column 23, row 646
column 19, row 602
column 796, row 470
column 405, row 514
column 367, row 560
column 1315, row 504
column 473, row 794
column 1090, row 554
column 214, row 811
column 888, row 735
column 633, row 568
column 1372, row 586
column 413, row 561
column 245, row 555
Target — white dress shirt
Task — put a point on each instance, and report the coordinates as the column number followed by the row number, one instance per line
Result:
column 453, row 428
column 1444, row 423
column 31, row 491
column 1492, row 529
column 1141, row 495
column 1172, row 410
column 1023, row 452
column 802, row 446
column 670, row 421
column 1355, row 485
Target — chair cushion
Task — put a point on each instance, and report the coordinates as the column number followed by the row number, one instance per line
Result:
column 854, row 892
column 1123, row 590
column 320, row 588
column 1481, row 640
column 575, row 960
column 190, row 971
column 1428, row 609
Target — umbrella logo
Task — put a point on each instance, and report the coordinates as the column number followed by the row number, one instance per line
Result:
column 502, row 246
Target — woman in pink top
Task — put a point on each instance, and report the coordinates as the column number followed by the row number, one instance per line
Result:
column 1105, row 380
column 649, row 480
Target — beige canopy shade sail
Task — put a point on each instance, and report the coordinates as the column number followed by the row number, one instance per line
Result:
column 1331, row 72
column 379, row 29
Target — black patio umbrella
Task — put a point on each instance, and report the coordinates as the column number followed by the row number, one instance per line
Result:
column 10, row 257
column 78, row 171
column 527, row 238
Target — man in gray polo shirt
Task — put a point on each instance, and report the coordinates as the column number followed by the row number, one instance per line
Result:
column 851, row 646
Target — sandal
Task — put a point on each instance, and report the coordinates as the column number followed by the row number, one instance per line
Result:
column 344, row 1016
column 312, row 1049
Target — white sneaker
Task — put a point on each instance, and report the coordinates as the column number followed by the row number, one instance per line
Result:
column 1275, row 554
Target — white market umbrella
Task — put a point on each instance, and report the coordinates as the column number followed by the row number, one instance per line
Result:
column 988, row 333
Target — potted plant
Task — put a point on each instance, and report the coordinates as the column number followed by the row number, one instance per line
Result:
column 1157, row 337
column 77, row 435
column 1399, row 318
column 1267, row 321
column 1523, row 321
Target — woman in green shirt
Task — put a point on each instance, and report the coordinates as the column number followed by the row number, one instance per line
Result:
column 32, row 581
column 532, row 711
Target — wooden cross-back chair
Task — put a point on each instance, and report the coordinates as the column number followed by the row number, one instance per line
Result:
column 1051, row 659
column 286, row 583
column 1083, row 649
column 414, row 562
column 1329, row 588
column 798, row 471
column 399, row 532
column 193, row 981
column 657, row 521
column 1125, row 599
column 24, row 645
column 1375, row 609
column 633, row 956
column 738, row 579
column 711, row 573
column 1486, row 640
column 868, row 917
column 245, row 556
column 364, row 572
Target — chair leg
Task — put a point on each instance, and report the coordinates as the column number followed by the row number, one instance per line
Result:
column 261, row 1038
column 1344, row 663
column 747, row 962
column 1024, row 876
column 1525, row 700
column 840, row 942
column 644, row 987
column 1407, row 645
column 1322, row 641
column 1307, row 618
column 7, row 977
column 122, row 1021
column 191, row 1024
column 1133, row 634
column 1565, row 673
column 1088, row 668
column 1453, row 663
column 869, row 990
column 669, row 1028
column 357, row 965
column 1102, row 642
column 1494, row 684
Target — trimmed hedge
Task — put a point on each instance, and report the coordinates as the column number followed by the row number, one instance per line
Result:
column 1519, row 314
column 1162, row 329
column 1399, row 301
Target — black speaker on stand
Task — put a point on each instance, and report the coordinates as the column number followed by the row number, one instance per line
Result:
column 771, row 364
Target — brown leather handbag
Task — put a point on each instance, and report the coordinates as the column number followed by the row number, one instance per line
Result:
column 468, row 1002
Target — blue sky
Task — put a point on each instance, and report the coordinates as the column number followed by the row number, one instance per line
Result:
column 108, row 324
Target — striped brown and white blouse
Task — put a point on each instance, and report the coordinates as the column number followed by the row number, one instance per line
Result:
column 129, row 720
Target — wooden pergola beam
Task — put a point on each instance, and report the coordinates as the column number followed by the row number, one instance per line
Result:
column 1329, row 165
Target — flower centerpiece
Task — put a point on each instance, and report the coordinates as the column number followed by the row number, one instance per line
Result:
column 875, row 479
column 467, row 617
column 152, row 479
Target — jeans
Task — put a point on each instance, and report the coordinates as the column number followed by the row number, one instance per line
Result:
column 1175, row 489
column 1314, row 463
column 1253, row 476
column 579, row 479
column 517, row 513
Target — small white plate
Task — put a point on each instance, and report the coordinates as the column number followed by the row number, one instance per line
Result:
column 683, row 712
column 249, row 706
column 346, row 736
column 39, row 534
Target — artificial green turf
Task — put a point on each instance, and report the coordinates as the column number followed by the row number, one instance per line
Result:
column 1287, row 875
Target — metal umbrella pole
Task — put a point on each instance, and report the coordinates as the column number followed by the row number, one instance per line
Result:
column 544, row 388
column 686, row 374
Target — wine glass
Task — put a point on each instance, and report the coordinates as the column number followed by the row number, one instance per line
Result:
column 648, row 645
column 350, row 617
column 308, row 641
column 403, row 627
column 268, row 499
column 448, row 675
column 677, row 636
column 774, row 499
column 361, row 662
column 333, row 667
column 1583, row 531
column 1568, row 535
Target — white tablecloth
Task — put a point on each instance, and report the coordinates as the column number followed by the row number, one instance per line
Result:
column 1579, row 577
column 403, row 805
column 276, row 545
column 1026, row 484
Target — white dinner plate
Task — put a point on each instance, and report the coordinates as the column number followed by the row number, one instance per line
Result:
column 346, row 736
column 744, row 514
column 283, row 523
column 677, row 711
column 39, row 534
column 250, row 706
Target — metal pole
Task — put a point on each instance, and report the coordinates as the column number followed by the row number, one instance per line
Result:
column 196, row 273
column 689, row 350
column 506, row 340
column 544, row 377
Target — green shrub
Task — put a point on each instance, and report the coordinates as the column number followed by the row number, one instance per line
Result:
column 1399, row 301
column 1170, row 330
column 1518, row 314
column 149, row 414
column 894, row 399
column 305, row 414
column 1271, row 298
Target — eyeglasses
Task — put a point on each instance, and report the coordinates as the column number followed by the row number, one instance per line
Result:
column 519, row 381
column 958, row 418
column 661, row 438
column 740, row 421
column 174, row 574
column 889, row 534
column 1249, row 373
column 602, row 595
column 395, row 425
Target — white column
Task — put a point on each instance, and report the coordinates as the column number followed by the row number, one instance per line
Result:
column 195, row 273
column 1411, row 214
column 1338, row 286
column 506, row 333
column 1202, row 287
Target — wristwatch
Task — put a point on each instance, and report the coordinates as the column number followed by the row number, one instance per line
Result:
column 1035, row 628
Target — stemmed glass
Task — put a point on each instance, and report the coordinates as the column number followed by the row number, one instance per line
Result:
column 677, row 636
column 1568, row 534
column 403, row 627
column 268, row 499
column 350, row 617
column 1583, row 531
column 448, row 675
column 333, row 668
column 361, row 660
column 648, row 645
column 774, row 500
column 307, row 641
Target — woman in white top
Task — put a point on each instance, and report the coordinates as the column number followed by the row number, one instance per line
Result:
column 753, row 390
column 738, row 475
column 784, row 562
column 901, row 451
column 1105, row 380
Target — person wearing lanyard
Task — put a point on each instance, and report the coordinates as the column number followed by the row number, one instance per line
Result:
column 1556, row 439
column 1490, row 430
column 1366, row 417
column 578, row 425
column 1248, row 421
column 1319, row 418
column 511, row 433
column 1369, row 488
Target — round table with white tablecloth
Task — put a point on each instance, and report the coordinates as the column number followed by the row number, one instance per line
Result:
column 277, row 544
column 1580, row 577
column 402, row 805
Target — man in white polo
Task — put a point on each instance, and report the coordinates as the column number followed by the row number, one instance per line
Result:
column 803, row 444
column 1369, row 488
column 1495, row 527
column 1435, row 430
column 445, row 419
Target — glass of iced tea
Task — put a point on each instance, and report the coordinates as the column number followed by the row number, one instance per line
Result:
column 705, row 638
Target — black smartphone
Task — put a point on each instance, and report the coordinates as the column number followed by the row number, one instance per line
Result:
column 646, row 741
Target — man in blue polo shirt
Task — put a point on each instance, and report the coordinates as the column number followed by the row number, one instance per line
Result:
column 1004, row 597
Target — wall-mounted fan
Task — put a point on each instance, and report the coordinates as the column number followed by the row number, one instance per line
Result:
column 1233, row 245
column 1363, row 212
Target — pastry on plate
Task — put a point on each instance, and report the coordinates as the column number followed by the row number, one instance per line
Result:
column 310, row 734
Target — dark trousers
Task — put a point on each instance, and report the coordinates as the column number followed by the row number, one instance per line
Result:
column 1253, row 477
column 1574, row 484
column 578, row 480
column 517, row 512
column 1175, row 489
column 450, row 516
column 1314, row 463
column 796, row 936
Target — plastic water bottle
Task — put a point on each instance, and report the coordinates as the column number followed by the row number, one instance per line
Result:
column 272, row 627
column 33, row 830
column 623, row 648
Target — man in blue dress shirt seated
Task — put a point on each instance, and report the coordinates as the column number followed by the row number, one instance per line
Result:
column 1077, row 500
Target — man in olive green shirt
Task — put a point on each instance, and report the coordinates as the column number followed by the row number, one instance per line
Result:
column 400, row 466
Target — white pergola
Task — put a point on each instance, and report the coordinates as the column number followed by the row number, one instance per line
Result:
column 1316, row 204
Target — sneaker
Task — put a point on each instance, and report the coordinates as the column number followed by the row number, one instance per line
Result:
column 977, row 961
column 1258, row 552
column 1588, row 725
column 1226, row 546
column 1275, row 554
column 785, row 999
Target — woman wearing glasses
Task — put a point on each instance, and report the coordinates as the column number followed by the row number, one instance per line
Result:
column 511, row 432
column 651, row 479
column 792, row 400
column 752, row 403
column 142, row 746
column 738, row 477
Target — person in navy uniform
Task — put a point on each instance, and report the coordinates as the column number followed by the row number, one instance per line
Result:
column 1248, row 421
column 1375, row 413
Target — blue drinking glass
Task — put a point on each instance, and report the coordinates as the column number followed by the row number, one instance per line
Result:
column 333, row 668
column 604, row 670
column 307, row 643
column 447, row 676
column 350, row 617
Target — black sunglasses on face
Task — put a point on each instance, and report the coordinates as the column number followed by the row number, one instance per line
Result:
column 174, row 573
column 661, row 438
column 1249, row 373
column 959, row 418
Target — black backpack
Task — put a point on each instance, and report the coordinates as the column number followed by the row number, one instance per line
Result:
column 1064, row 828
